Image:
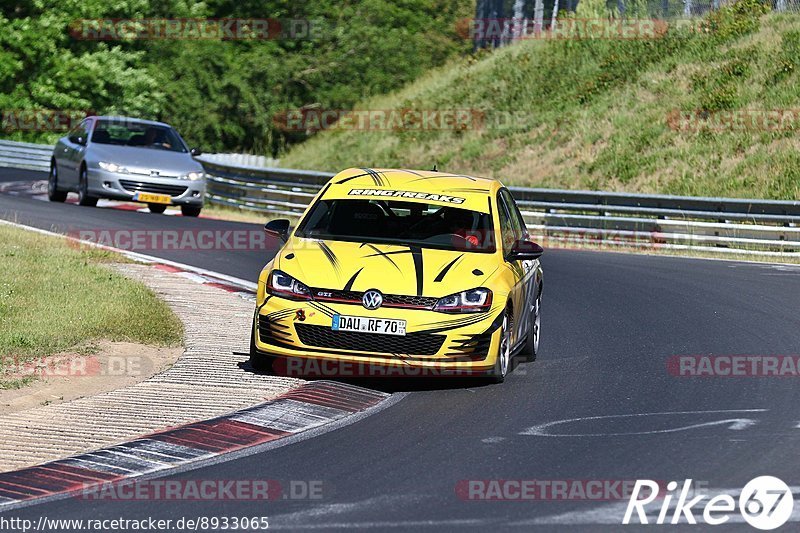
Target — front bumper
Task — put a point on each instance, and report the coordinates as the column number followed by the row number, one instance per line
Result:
column 113, row 185
column 301, row 330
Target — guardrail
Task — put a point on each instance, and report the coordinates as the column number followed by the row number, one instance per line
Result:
column 25, row 155
column 761, row 227
column 242, row 160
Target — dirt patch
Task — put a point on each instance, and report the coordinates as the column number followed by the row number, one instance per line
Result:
column 67, row 376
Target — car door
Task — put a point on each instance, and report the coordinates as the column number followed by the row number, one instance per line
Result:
column 510, row 234
column 71, row 154
column 61, row 156
column 524, row 292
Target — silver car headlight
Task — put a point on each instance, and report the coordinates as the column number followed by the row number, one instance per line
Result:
column 113, row 167
column 194, row 176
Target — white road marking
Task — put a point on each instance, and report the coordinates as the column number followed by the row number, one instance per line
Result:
column 736, row 424
column 319, row 516
column 781, row 267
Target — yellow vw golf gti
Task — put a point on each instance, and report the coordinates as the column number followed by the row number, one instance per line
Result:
column 404, row 273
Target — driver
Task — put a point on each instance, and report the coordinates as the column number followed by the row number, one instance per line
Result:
column 155, row 136
column 461, row 222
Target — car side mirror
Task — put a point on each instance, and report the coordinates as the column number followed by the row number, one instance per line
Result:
column 78, row 139
column 195, row 152
column 278, row 228
column 524, row 250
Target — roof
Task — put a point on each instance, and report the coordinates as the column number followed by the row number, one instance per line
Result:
column 414, row 186
column 130, row 119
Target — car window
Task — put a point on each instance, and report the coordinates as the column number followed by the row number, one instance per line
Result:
column 507, row 231
column 137, row 134
column 520, row 229
column 81, row 130
column 398, row 222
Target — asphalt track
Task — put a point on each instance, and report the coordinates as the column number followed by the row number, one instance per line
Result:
column 610, row 323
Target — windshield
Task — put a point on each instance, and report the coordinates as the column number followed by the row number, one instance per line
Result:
column 397, row 222
column 138, row 134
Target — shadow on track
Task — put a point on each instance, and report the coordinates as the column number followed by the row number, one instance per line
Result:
column 388, row 384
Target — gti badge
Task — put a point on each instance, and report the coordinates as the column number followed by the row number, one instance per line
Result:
column 372, row 299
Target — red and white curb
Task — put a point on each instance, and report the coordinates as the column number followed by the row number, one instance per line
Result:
column 312, row 405
column 208, row 279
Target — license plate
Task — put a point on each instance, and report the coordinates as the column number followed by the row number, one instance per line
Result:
column 151, row 198
column 383, row 326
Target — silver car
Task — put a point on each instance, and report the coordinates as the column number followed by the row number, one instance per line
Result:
column 127, row 159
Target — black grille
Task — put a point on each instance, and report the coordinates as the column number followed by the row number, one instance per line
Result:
column 390, row 300
column 421, row 301
column 156, row 188
column 269, row 332
column 325, row 337
column 473, row 347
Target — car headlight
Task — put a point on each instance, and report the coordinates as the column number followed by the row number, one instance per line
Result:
column 283, row 285
column 194, row 176
column 471, row 301
column 113, row 167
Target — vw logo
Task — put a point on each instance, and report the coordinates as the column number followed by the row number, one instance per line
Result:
column 372, row 299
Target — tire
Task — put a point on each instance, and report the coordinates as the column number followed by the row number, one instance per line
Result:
column 504, row 364
column 258, row 361
column 535, row 330
column 53, row 193
column 157, row 208
column 190, row 210
column 84, row 198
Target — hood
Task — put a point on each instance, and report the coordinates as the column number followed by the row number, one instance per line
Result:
column 145, row 159
column 391, row 269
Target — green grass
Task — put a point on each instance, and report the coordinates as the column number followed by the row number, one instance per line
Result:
column 595, row 114
column 55, row 297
